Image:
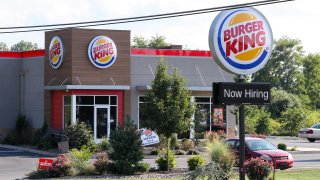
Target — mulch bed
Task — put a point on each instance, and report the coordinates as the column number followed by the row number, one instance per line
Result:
column 175, row 173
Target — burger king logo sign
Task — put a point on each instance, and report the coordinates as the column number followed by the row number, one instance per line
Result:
column 102, row 52
column 56, row 51
column 241, row 40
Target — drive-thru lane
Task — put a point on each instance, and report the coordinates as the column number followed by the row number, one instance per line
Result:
column 14, row 164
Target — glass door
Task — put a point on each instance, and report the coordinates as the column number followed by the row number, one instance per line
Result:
column 101, row 122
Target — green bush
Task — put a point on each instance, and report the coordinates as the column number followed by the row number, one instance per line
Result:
column 46, row 142
column 162, row 160
column 210, row 171
column 179, row 152
column 21, row 134
column 79, row 134
column 195, row 161
column 104, row 145
column 127, row 149
column 60, row 167
column 256, row 168
column 220, row 154
column 193, row 152
column 142, row 167
column 174, row 143
column 101, row 162
column 154, row 152
column 186, row 144
column 282, row 146
column 80, row 161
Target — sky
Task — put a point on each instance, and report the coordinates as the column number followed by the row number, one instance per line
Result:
column 297, row 19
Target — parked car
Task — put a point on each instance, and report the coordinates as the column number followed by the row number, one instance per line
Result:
column 312, row 134
column 257, row 147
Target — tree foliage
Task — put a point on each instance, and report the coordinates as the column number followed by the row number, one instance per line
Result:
column 167, row 108
column 127, row 149
column 283, row 70
column 311, row 73
column 24, row 46
column 292, row 120
column 3, row 47
column 156, row 41
column 281, row 101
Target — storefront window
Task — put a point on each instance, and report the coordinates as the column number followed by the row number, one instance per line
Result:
column 141, row 123
column 85, row 100
column 85, row 109
column 85, row 114
column 102, row 99
column 66, row 111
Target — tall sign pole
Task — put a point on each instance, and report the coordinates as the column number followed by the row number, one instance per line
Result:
column 240, row 41
column 242, row 147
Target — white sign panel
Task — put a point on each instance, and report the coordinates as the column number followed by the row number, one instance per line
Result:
column 148, row 137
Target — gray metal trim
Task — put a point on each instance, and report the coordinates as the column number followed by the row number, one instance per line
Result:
column 191, row 88
column 85, row 87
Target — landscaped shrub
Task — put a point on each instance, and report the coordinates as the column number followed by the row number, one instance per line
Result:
column 46, row 142
column 215, row 136
column 220, row 154
column 154, row 152
column 60, row 167
column 21, row 134
column 195, row 161
column 210, row 171
column 142, row 167
column 162, row 160
column 256, row 168
column 174, row 143
column 282, row 146
column 179, row 152
column 101, row 162
column 193, row 152
column 79, row 134
column 80, row 161
column 186, row 144
column 104, row 145
column 127, row 150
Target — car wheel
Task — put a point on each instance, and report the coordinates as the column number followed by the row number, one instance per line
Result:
column 311, row 139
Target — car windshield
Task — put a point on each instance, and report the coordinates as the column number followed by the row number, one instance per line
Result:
column 260, row 144
column 315, row 126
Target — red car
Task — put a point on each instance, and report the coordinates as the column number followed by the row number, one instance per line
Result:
column 257, row 147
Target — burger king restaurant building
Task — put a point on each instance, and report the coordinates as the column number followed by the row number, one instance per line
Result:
column 94, row 76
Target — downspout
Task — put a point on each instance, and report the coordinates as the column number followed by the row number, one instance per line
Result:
column 22, row 92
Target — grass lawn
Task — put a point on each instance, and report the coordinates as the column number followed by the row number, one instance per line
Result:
column 311, row 174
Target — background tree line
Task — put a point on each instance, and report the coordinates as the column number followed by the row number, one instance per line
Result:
column 295, row 94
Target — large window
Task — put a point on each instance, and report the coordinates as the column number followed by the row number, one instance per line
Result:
column 66, row 111
column 141, row 122
column 84, row 109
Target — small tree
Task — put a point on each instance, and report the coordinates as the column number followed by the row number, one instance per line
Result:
column 127, row 149
column 167, row 108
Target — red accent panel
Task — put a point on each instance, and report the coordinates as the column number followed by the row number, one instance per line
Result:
column 57, row 103
column 35, row 53
column 10, row 54
column 170, row 52
column 25, row 54
column 56, row 109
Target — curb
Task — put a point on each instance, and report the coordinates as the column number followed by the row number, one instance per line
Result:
column 45, row 153
column 304, row 152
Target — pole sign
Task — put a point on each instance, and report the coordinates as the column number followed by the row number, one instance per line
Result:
column 240, row 40
column 241, row 93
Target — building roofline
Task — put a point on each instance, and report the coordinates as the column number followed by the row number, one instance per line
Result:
column 134, row 52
